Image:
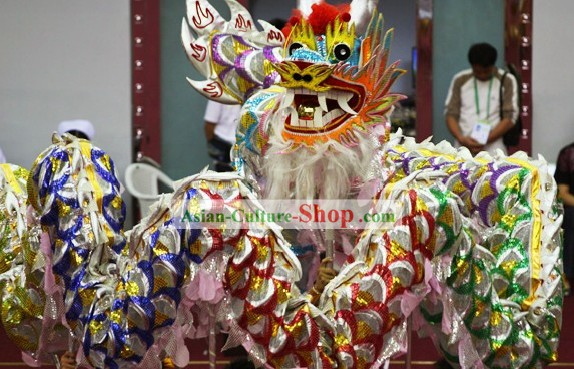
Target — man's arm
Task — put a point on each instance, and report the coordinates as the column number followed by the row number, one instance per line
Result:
column 453, row 127
column 499, row 130
column 565, row 195
column 211, row 118
column 209, row 129
column 325, row 274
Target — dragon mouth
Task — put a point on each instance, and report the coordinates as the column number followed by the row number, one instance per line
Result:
column 312, row 111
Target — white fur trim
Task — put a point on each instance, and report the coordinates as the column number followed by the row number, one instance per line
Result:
column 361, row 13
column 325, row 171
column 305, row 6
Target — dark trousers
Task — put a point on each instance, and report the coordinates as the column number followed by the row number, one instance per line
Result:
column 220, row 151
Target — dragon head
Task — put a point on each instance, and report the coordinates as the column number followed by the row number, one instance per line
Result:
column 333, row 88
column 312, row 94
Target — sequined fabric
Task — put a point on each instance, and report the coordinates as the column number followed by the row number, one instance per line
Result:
column 472, row 253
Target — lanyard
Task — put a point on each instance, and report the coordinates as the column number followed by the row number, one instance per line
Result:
column 476, row 100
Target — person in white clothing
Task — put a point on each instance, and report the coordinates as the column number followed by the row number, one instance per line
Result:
column 473, row 110
column 2, row 157
column 220, row 125
column 80, row 128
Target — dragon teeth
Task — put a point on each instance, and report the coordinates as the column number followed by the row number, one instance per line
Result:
column 333, row 114
column 323, row 101
column 287, row 99
column 318, row 118
column 343, row 100
column 320, row 115
column 294, row 118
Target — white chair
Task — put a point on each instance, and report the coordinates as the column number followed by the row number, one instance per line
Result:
column 142, row 182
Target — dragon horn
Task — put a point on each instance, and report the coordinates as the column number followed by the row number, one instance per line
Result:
column 213, row 91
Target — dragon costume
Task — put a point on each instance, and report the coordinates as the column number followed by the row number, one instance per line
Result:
column 472, row 253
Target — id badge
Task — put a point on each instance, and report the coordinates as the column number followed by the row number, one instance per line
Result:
column 480, row 132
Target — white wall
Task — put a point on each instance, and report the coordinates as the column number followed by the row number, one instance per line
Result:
column 64, row 59
column 552, row 77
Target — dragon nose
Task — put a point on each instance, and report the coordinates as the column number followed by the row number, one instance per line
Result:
column 305, row 77
column 297, row 74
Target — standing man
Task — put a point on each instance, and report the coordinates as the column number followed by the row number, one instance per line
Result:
column 473, row 110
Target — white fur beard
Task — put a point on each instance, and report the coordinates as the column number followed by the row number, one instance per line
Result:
column 326, row 171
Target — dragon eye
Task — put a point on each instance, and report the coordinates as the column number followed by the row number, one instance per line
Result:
column 294, row 46
column 342, row 52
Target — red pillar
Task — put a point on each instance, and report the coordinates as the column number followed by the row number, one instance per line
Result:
column 146, row 84
column 424, row 23
column 518, row 51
